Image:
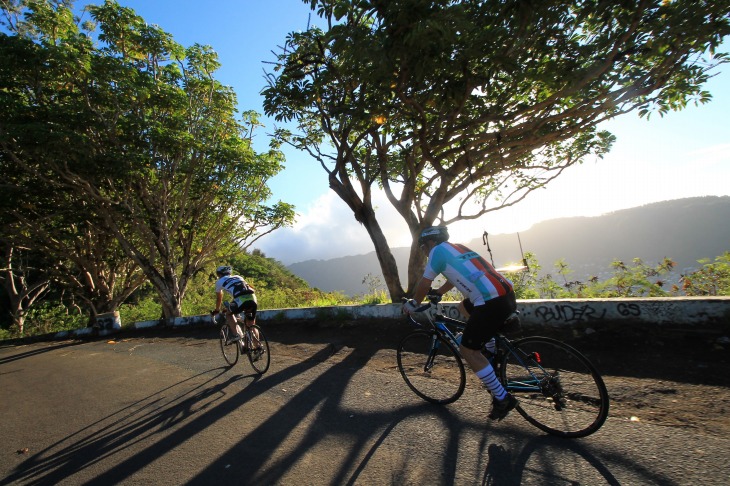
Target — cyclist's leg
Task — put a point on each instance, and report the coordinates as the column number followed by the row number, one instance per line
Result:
column 249, row 308
column 465, row 308
column 482, row 325
column 231, row 309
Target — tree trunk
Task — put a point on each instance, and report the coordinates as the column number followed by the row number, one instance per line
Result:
column 386, row 259
column 387, row 262
column 365, row 215
column 19, row 320
column 416, row 264
column 21, row 294
column 171, row 302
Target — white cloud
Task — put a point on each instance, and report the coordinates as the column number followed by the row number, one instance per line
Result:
column 327, row 229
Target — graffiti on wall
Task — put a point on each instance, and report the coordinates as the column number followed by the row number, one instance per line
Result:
column 583, row 312
column 569, row 313
column 629, row 309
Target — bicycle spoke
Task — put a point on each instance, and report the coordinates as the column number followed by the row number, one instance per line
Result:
column 431, row 367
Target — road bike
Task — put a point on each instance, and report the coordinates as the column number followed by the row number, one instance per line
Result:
column 258, row 355
column 558, row 390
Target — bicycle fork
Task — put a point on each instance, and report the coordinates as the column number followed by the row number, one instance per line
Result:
column 432, row 353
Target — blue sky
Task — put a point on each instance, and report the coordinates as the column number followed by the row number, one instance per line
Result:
column 683, row 154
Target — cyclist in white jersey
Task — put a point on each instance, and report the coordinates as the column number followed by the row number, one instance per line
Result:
column 244, row 300
column 491, row 294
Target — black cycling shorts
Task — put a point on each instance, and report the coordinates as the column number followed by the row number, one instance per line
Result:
column 487, row 319
column 248, row 307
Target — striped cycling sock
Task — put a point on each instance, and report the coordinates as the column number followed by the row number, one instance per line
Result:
column 492, row 383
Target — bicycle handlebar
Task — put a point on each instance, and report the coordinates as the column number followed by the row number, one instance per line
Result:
column 432, row 298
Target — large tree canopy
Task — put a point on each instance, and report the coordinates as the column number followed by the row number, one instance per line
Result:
column 459, row 108
column 122, row 118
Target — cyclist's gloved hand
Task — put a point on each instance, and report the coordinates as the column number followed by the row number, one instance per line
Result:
column 213, row 312
column 409, row 306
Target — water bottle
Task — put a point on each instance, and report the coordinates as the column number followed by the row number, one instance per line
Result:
column 458, row 337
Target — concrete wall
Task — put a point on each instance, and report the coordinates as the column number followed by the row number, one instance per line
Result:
column 693, row 312
column 535, row 313
column 661, row 311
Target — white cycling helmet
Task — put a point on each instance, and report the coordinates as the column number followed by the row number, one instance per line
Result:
column 223, row 270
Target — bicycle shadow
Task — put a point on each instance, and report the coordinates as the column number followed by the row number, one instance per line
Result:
column 520, row 457
column 535, row 461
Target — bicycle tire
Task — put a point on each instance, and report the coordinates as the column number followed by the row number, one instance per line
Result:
column 559, row 391
column 259, row 359
column 431, row 367
column 230, row 351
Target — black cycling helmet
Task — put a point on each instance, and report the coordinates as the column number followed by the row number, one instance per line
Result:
column 439, row 234
column 223, row 270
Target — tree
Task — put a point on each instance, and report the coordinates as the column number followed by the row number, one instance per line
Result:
column 78, row 255
column 456, row 109
column 23, row 284
column 136, row 127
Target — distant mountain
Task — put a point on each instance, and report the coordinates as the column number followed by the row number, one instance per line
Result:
column 685, row 230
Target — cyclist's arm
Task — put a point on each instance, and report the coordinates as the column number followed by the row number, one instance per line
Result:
column 422, row 288
column 218, row 300
column 445, row 288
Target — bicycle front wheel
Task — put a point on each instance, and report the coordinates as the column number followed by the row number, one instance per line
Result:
column 230, row 351
column 559, row 390
column 259, row 357
column 431, row 367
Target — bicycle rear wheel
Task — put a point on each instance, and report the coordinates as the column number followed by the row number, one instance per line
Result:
column 259, row 358
column 230, row 351
column 559, row 390
column 431, row 367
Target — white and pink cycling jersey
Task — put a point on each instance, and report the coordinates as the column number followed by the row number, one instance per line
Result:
column 470, row 273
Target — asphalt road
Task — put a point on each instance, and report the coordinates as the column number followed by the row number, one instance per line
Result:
column 160, row 408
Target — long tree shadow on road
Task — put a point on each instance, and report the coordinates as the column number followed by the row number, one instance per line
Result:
column 192, row 410
column 34, row 351
column 116, row 432
column 369, row 441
